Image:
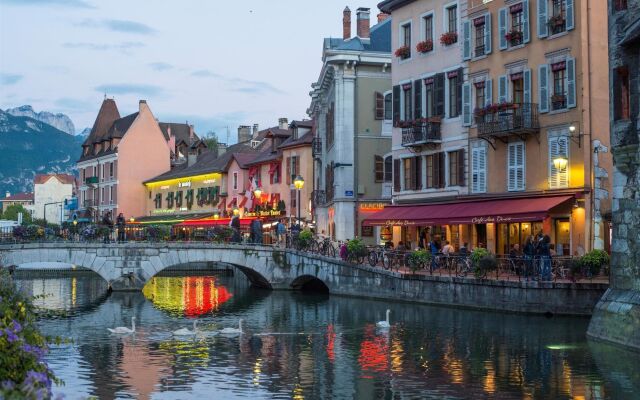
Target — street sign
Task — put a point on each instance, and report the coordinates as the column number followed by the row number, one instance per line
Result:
column 71, row 204
column 348, row 193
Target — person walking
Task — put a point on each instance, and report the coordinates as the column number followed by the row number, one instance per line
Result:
column 528, row 251
column 108, row 223
column 281, row 231
column 235, row 225
column 120, row 224
column 545, row 256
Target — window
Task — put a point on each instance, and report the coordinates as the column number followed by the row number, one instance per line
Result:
column 379, row 105
column 558, row 147
column 517, row 87
column 388, row 169
column 329, row 125
column 516, row 32
column 429, row 94
column 456, row 168
column 412, row 173
column 621, row 93
column 235, row 181
column 435, row 171
column 558, row 20
column 406, row 102
column 427, row 23
column 111, row 170
column 405, row 38
column 83, row 174
column 388, row 110
column 110, row 194
column 408, row 173
column 294, row 198
column 102, row 197
column 479, row 168
column 452, row 19
column 479, row 24
column 379, row 168
column 559, row 96
column 454, row 95
column 619, row 5
column 481, row 96
column 515, row 167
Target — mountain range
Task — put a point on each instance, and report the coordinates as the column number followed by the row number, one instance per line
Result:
column 31, row 146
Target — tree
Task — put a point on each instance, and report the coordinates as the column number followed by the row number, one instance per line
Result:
column 211, row 140
column 12, row 211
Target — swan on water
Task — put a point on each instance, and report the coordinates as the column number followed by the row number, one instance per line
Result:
column 233, row 331
column 384, row 324
column 123, row 330
column 186, row 331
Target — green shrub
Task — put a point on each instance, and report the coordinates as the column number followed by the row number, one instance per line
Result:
column 595, row 260
column 103, row 231
column 488, row 263
column 418, row 259
column 477, row 254
column 356, row 247
column 158, row 232
column 305, row 237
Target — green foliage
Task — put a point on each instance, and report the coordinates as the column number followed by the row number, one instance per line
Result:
column 488, row 263
column 477, row 254
column 24, row 373
column 282, row 206
column 595, row 260
column 11, row 213
column 305, row 237
column 103, row 231
column 211, row 140
column 418, row 259
column 158, row 232
column 221, row 233
column 356, row 247
column 41, row 222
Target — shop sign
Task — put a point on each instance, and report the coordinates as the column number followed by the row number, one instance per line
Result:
column 348, row 193
column 184, row 184
column 165, row 187
column 399, row 222
column 266, row 213
column 490, row 220
column 163, row 211
column 372, row 206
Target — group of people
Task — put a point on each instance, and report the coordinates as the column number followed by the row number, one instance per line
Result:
column 536, row 248
column 120, row 225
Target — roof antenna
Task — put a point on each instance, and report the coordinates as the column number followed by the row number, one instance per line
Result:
column 105, row 95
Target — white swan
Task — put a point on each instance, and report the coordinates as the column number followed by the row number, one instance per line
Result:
column 384, row 324
column 186, row 331
column 123, row 330
column 233, row 331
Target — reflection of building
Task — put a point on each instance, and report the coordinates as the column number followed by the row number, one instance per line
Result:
column 353, row 132
column 50, row 192
column 189, row 296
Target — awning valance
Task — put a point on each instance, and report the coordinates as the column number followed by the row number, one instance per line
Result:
column 480, row 212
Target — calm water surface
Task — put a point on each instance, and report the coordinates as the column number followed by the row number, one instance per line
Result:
column 314, row 347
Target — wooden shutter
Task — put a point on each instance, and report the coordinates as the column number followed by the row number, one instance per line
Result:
column 526, row 80
column 502, row 28
column 503, row 84
column 396, row 175
column 412, row 174
column 570, row 13
column 438, row 88
column 543, row 28
column 461, row 167
column 488, row 91
column 418, row 173
column 466, row 40
column 515, row 167
column 460, row 82
column 526, row 36
column 478, row 170
column 379, row 105
column 288, row 170
column 571, row 83
column 297, row 171
column 417, row 99
column 466, row 104
column 487, row 34
column 441, row 169
column 543, row 88
column 396, row 105
column 436, row 170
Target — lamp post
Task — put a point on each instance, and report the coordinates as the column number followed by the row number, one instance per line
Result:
column 257, row 193
column 298, row 182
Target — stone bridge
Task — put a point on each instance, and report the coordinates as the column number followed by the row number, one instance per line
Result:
column 129, row 266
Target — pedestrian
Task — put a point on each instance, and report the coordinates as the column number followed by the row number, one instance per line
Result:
column 281, row 231
column 423, row 238
column 434, row 248
column 120, row 223
column 545, row 257
column 106, row 221
column 447, row 249
column 235, row 225
column 464, row 250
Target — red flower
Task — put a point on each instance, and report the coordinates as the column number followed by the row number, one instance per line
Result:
column 425, row 46
column 449, row 38
column 403, row 52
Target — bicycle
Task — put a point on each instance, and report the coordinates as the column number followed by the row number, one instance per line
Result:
column 325, row 247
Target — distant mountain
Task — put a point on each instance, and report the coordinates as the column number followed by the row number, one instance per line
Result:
column 59, row 121
column 84, row 133
column 30, row 147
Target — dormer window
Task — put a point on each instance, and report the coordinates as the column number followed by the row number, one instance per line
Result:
column 295, row 134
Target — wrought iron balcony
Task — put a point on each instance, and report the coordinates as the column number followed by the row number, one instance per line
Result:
column 421, row 133
column 319, row 198
column 317, row 147
column 501, row 120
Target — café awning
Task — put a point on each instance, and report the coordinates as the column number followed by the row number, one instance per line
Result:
column 478, row 212
column 212, row 222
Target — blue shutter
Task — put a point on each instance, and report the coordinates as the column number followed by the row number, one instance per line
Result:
column 526, row 78
column 466, row 104
column 543, row 28
column 570, row 15
column 526, row 36
column 466, row 40
column 488, row 91
column 571, row 82
column 502, row 88
column 543, row 88
column 487, row 34
column 502, row 27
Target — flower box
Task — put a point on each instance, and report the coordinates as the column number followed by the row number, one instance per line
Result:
column 425, row 46
column 403, row 52
column 557, row 98
column 556, row 20
column 449, row 38
column 514, row 37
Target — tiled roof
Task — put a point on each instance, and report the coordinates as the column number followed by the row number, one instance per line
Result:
column 63, row 178
column 121, row 126
column 306, row 139
column 265, row 157
column 243, row 159
column 180, row 131
column 18, row 197
column 107, row 115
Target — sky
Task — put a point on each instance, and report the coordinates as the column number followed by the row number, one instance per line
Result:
column 213, row 63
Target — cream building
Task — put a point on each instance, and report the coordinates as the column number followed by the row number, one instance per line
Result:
column 50, row 193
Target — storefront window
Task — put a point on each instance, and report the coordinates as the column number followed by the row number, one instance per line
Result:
column 515, row 233
column 563, row 237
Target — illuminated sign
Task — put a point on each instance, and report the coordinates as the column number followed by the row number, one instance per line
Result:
column 209, row 181
column 165, row 187
column 184, row 184
column 399, row 222
column 490, row 220
column 164, row 211
column 367, row 207
column 267, row 213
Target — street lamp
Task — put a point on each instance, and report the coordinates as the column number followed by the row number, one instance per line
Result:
column 236, row 211
column 298, row 182
column 132, row 220
column 560, row 162
column 216, row 216
column 257, row 193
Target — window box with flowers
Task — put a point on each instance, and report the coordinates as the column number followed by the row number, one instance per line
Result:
column 425, row 46
column 558, row 101
column 557, row 24
column 449, row 38
column 514, row 37
column 403, row 52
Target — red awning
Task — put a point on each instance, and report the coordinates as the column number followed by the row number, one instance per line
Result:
column 222, row 203
column 243, row 202
column 480, row 212
column 273, row 168
column 212, row 222
column 232, row 203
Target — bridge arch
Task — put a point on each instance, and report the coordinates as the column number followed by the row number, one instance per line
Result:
column 309, row 283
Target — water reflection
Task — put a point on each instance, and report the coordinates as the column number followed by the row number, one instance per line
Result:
column 311, row 347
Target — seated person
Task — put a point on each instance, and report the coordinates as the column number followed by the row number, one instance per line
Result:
column 447, row 249
column 515, row 251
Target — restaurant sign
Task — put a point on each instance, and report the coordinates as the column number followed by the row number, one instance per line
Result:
column 265, row 213
column 490, row 220
column 399, row 222
column 372, row 206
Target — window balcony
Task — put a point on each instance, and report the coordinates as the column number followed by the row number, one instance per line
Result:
column 90, row 203
column 420, row 133
column 316, row 148
column 502, row 120
column 91, row 180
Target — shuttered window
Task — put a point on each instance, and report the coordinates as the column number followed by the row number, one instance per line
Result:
column 435, row 170
column 396, row 175
column 479, row 169
column 330, row 124
column 408, row 173
column 379, row 105
column 388, row 114
column 388, row 169
column 558, row 147
column 379, row 168
column 515, row 167
column 456, row 168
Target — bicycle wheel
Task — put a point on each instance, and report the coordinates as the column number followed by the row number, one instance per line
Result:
column 360, row 259
column 387, row 261
column 331, row 251
column 373, row 258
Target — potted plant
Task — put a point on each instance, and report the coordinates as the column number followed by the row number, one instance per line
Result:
column 403, row 52
column 449, row 38
column 304, row 239
column 418, row 259
column 356, row 251
column 482, row 261
column 555, row 21
column 425, row 46
column 514, row 37
column 594, row 260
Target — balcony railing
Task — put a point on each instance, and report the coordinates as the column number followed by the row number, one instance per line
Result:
column 319, row 198
column 90, row 203
column 91, row 180
column 508, row 119
column 421, row 133
column 317, row 147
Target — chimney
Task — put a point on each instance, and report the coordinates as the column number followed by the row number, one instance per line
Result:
column 192, row 157
column 191, row 133
column 346, row 23
column 142, row 104
column 283, row 123
column 363, row 22
column 382, row 16
column 256, row 129
column 244, row 133
column 7, row 195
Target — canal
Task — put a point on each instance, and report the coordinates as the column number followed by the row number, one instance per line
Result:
column 311, row 346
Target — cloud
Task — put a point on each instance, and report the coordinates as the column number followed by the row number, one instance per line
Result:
column 205, row 73
column 10, row 79
column 255, row 87
column 118, row 25
column 68, row 103
column 124, row 47
column 126, row 88
column 57, row 3
column 161, row 66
